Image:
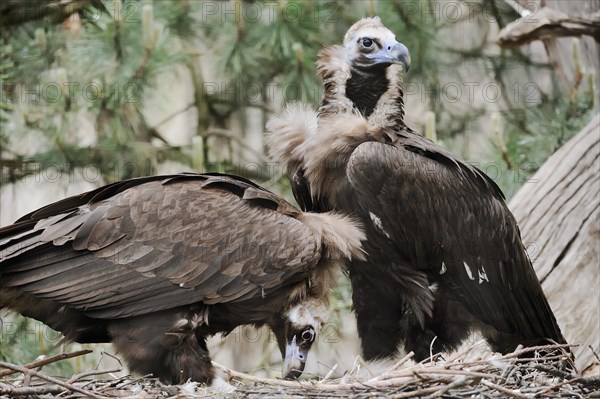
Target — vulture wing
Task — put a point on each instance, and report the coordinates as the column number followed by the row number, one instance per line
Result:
column 155, row 243
column 449, row 221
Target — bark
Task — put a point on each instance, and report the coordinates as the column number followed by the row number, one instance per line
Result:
column 558, row 212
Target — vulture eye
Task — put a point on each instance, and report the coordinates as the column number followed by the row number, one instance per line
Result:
column 308, row 335
column 367, row 43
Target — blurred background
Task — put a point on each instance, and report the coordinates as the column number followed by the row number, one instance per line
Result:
column 94, row 91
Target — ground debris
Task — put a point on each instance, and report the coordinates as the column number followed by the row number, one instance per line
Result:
column 524, row 373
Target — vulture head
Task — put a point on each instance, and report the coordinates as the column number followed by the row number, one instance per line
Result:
column 370, row 47
column 297, row 333
column 364, row 74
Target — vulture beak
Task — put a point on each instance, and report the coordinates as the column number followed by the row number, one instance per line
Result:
column 296, row 332
column 295, row 360
column 392, row 53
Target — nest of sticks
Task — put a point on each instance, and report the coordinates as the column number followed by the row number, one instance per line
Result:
column 524, row 373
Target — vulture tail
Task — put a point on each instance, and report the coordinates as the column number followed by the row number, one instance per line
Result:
column 341, row 235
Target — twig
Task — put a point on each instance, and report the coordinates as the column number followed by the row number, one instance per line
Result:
column 79, row 376
column 458, row 382
column 519, row 352
column 27, row 391
column 504, row 390
column 134, row 381
column 294, row 384
column 173, row 115
column 329, row 373
column 415, row 394
column 401, row 362
column 557, row 385
column 364, row 364
column 463, row 354
column 594, row 353
column 401, row 377
column 109, row 355
column 394, row 367
column 48, row 360
column 262, row 380
column 226, row 134
column 431, row 348
column 503, row 376
column 53, row 380
column 474, row 374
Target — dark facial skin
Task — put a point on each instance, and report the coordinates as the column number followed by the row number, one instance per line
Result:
column 294, row 344
column 296, row 351
column 368, row 81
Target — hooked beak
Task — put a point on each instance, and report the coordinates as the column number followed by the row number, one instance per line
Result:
column 294, row 362
column 393, row 53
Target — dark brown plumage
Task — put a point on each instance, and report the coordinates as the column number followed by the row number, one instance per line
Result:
column 444, row 253
column 156, row 264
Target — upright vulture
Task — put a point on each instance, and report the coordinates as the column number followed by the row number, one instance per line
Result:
column 156, row 264
column 444, row 253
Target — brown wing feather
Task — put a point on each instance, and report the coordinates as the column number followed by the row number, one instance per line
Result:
column 470, row 242
column 153, row 244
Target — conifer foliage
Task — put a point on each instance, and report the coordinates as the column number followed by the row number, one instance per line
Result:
column 76, row 76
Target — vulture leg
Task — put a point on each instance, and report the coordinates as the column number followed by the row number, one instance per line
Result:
column 423, row 343
column 444, row 331
column 376, row 318
column 163, row 346
column 501, row 342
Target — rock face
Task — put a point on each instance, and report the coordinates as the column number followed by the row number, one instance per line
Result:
column 558, row 211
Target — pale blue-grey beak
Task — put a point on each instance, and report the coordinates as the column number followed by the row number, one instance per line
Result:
column 392, row 53
column 295, row 360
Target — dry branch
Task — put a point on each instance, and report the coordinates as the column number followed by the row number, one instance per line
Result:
column 547, row 23
column 53, row 380
column 48, row 360
column 26, row 391
column 525, row 373
column 90, row 373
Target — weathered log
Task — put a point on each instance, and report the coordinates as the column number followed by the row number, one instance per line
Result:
column 547, row 23
column 558, row 212
column 571, row 57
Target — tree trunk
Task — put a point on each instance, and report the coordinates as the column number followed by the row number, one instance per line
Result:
column 558, row 212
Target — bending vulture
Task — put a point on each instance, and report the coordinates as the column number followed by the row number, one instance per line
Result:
column 444, row 253
column 156, row 264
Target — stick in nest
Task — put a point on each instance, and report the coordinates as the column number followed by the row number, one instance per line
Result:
column 48, row 360
column 45, row 377
column 30, row 391
column 79, row 376
column 459, row 378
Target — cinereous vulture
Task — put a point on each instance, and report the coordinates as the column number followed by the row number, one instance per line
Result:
column 444, row 253
column 156, row 264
